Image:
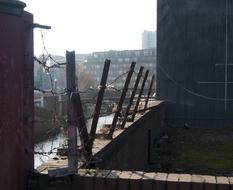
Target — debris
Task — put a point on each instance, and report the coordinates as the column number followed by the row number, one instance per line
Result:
column 187, row 126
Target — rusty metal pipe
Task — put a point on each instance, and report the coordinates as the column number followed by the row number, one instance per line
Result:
column 16, row 99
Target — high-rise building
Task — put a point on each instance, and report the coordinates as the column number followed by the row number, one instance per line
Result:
column 148, row 39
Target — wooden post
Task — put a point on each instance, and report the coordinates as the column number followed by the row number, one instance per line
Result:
column 75, row 118
column 72, row 120
column 99, row 101
column 132, row 97
column 149, row 92
column 123, row 94
column 139, row 96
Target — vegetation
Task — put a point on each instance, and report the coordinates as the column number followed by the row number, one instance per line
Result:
column 200, row 150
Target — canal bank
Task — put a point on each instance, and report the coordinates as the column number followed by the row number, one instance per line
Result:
column 47, row 149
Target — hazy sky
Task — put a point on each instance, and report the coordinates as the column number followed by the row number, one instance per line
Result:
column 92, row 25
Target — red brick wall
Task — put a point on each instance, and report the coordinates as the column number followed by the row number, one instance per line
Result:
column 135, row 180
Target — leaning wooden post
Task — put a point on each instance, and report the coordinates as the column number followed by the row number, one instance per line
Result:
column 149, row 92
column 123, row 94
column 76, row 117
column 72, row 120
column 140, row 94
column 99, row 101
column 132, row 97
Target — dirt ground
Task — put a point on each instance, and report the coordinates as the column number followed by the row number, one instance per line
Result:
column 195, row 149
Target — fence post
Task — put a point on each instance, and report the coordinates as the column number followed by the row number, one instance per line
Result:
column 71, row 119
column 132, row 97
column 99, row 101
column 76, row 117
column 140, row 94
column 123, row 94
column 149, row 92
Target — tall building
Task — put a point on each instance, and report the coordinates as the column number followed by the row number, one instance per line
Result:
column 194, row 68
column 148, row 39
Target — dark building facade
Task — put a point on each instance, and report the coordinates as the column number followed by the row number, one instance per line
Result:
column 194, row 58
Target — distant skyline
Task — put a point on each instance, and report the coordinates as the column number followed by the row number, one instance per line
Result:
column 88, row 25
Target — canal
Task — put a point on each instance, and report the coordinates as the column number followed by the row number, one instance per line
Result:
column 47, row 149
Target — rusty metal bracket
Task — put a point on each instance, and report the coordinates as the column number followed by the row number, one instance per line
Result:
column 35, row 25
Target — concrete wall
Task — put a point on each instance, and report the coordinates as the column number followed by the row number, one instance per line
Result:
column 194, row 41
column 131, row 150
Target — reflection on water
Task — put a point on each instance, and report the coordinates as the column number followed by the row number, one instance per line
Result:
column 47, row 146
column 57, row 141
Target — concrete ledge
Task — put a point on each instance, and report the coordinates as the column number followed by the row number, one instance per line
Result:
column 125, row 150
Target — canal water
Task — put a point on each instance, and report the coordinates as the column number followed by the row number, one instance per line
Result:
column 49, row 147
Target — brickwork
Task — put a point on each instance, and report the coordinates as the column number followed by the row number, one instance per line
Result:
column 136, row 180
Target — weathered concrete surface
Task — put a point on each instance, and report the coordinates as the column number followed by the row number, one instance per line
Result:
column 193, row 45
column 131, row 149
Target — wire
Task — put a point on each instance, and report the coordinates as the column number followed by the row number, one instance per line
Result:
column 117, row 78
column 43, row 41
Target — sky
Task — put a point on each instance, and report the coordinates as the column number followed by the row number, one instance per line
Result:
column 91, row 25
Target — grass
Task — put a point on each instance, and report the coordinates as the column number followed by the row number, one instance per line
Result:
column 197, row 150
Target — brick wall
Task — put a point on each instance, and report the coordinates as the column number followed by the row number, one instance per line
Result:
column 135, row 180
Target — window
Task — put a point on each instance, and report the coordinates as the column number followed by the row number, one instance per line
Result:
column 127, row 59
column 120, row 59
column 137, row 53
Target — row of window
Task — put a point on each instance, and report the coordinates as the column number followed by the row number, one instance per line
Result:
column 118, row 66
column 137, row 53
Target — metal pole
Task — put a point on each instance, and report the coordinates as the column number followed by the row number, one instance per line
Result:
column 140, row 94
column 119, row 106
column 132, row 97
column 99, row 101
column 72, row 119
column 149, row 92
